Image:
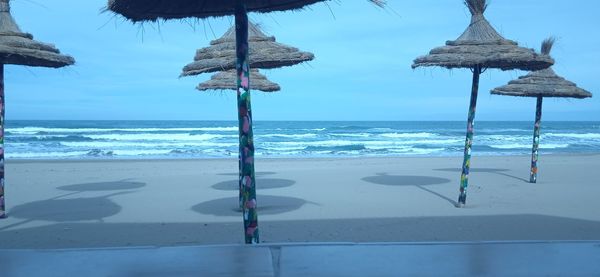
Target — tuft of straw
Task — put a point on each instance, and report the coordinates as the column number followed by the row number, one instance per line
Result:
column 476, row 7
column 379, row 3
column 547, row 45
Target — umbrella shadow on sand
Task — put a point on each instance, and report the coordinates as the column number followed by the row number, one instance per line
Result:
column 75, row 209
column 499, row 171
column 261, row 183
column 66, row 210
column 104, row 186
column 267, row 205
column 410, row 180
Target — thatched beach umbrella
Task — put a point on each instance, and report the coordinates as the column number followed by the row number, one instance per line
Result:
column 265, row 53
column 226, row 80
column 153, row 10
column 478, row 48
column 540, row 84
column 19, row 48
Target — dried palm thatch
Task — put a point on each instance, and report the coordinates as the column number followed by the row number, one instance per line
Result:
column 152, row 10
column 265, row 53
column 480, row 45
column 227, row 80
column 19, row 48
column 544, row 83
column 379, row 3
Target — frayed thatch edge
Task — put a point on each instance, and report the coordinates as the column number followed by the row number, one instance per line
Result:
column 108, row 9
column 379, row 3
column 476, row 7
column 547, row 45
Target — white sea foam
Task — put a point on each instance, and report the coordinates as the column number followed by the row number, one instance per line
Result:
column 444, row 141
column 381, row 129
column 511, row 146
column 369, row 143
column 142, row 152
column 220, row 129
column 326, row 143
column 528, row 146
column 159, row 137
column 123, row 144
column 552, row 146
column 282, row 149
column 500, row 130
column 421, row 151
column 30, row 155
column 502, row 137
column 352, row 135
column 287, row 136
column 574, row 135
column 408, row 135
column 35, row 130
column 415, row 151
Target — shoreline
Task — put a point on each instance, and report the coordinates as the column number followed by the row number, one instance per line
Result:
column 267, row 158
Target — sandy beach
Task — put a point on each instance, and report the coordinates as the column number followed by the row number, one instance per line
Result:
column 113, row 203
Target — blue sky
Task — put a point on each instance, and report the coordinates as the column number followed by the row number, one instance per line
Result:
column 361, row 71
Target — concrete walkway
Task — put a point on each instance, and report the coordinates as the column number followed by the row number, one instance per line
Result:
column 423, row 259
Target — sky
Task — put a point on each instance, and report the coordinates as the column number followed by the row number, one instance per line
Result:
column 362, row 69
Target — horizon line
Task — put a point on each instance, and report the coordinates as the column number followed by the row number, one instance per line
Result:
column 324, row 120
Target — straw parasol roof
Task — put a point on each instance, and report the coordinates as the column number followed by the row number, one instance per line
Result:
column 543, row 83
column 227, row 80
column 265, row 52
column 19, row 48
column 480, row 45
column 152, row 10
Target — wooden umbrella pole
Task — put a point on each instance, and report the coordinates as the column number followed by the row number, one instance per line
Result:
column 247, row 182
column 2, row 203
column 536, row 140
column 464, row 178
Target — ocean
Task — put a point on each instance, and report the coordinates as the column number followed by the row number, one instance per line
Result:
column 27, row 139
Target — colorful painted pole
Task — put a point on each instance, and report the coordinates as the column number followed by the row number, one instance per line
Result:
column 2, row 203
column 536, row 140
column 464, row 178
column 246, row 156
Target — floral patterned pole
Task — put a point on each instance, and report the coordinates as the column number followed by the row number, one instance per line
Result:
column 2, row 204
column 464, row 178
column 247, row 182
column 536, row 140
